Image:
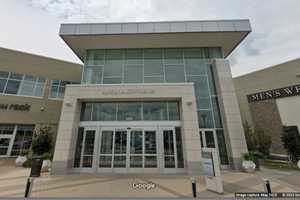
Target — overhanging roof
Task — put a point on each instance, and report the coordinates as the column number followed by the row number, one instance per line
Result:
column 221, row 33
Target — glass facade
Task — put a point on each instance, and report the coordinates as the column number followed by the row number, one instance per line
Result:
column 130, row 111
column 21, row 84
column 58, row 87
column 171, row 65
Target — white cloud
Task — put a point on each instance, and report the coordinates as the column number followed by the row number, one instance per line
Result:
column 275, row 23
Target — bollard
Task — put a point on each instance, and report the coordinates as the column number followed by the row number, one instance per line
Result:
column 28, row 188
column 193, row 180
column 268, row 186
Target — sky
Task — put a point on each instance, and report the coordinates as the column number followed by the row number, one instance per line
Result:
column 33, row 25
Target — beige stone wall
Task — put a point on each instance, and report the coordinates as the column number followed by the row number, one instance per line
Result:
column 275, row 77
column 234, row 132
column 67, row 131
column 278, row 76
column 43, row 111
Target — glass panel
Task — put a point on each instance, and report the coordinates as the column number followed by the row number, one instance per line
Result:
column 150, row 162
column 23, row 139
column 169, row 162
column 173, row 111
column 195, row 66
column 112, row 80
column 88, row 150
column 209, row 138
column 155, row 111
column 12, row 87
column 203, row 103
column 154, row 79
column 173, row 56
column 27, row 88
column 211, row 80
column 215, row 52
column 129, row 111
column 16, row 76
column 136, row 142
column 106, row 142
column 39, row 90
column 180, row 161
column 105, row 161
column 136, row 161
column 61, row 92
column 104, row 111
column 175, row 73
column 2, row 84
column 222, row 147
column 54, row 91
column 119, row 161
column 169, row 149
column 78, row 147
column 134, row 56
column 6, row 129
column 86, row 111
column 95, row 57
column 150, row 142
column 200, row 84
column 133, row 74
column 4, row 74
column 205, row 119
column 120, row 142
column 4, row 144
column 216, row 111
column 87, row 161
column 92, row 75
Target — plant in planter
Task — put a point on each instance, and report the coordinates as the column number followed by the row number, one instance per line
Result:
column 248, row 163
column 41, row 145
column 22, row 158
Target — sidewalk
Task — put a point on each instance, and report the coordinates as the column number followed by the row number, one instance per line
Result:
column 13, row 180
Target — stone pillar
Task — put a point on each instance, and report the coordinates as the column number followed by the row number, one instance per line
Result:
column 191, row 137
column 233, row 128
column 66, row 135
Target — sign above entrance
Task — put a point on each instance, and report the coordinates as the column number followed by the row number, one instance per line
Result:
column 127, row 91
column 15, row 107
column 274, row 94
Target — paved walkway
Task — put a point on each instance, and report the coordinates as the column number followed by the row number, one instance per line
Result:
column 13, row 180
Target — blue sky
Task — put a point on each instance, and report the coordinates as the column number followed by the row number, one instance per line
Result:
column 32, row 25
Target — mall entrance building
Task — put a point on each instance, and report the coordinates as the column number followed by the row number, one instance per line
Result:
column 152, row 95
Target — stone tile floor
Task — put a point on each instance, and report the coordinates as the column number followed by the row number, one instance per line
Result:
column 13, row 181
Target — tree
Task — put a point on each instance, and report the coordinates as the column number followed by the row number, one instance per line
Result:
column 42, row 141
column 257, row 139
column 291, row 141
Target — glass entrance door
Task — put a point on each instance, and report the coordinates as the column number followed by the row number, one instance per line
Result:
column 208, row 138
column 129, row 150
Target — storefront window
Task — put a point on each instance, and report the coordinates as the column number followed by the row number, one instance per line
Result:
column 170, row 65
column 20, row 84
column 130, row 111
column 23, row 139
column 58, row 88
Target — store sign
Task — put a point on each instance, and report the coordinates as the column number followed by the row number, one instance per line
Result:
column 208, row 164
column 127, row 91
column 15, row 107
column 274, row 94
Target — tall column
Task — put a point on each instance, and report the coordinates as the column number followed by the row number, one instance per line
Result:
column 191, row 137
column 234, row 132
column 66, row 135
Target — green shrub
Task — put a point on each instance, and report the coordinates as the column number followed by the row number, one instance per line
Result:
column 257, row 140
column 291, row 141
